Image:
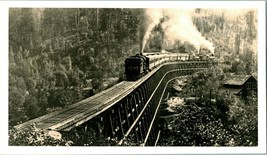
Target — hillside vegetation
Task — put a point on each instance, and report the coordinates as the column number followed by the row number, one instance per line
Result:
column 55, row 53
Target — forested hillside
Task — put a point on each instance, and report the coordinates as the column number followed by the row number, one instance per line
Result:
column 55, row 53
column 234, row 35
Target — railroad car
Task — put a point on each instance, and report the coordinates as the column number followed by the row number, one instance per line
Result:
column 140, row 64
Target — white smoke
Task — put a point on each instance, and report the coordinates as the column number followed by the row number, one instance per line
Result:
column 177, row 26
column 153, row 18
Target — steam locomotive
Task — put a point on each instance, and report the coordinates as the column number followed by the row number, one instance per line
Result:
column 138, row 65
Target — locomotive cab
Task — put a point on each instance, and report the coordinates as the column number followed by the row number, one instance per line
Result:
column 135, row 67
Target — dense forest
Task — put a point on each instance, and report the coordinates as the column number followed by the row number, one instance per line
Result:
column 60, row 56
column 212, row 118
column 55, row 53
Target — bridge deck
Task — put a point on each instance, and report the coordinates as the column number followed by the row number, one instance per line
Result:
column 83, row 110
column 76, row 114
column 79, row 113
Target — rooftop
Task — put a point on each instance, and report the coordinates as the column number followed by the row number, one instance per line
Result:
column 237, row 79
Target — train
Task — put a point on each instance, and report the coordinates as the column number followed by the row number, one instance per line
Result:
column 140, row 64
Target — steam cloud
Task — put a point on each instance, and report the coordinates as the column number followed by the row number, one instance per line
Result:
column 177, row 26
column 153, row 18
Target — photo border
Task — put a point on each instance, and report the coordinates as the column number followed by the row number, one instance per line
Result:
column 5, row 149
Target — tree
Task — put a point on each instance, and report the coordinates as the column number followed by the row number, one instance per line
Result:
column 251, row 29
column 31, row 107
column 62, row 79
column 237, row 43
column 97, row 84
column 16, row 109
column 90, row 138
column 227, row 121
column 194, row 126
column 31, row 136
column 53, row 50
column 22, row 29
column 42, row 100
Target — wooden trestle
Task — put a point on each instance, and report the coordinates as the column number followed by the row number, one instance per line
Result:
column 126, row 111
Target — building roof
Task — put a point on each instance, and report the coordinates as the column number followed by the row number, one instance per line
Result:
column 237, row 79
column 235, row 91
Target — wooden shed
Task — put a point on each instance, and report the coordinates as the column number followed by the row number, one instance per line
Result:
column 241, row 84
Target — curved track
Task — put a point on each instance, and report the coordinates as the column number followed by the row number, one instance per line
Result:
column 79, row 113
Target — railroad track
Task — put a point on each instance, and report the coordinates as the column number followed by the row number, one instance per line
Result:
column 70, row 115
column 78, row 113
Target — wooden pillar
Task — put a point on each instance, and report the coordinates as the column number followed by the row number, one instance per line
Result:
column 136, row 103
column 136, row 134
column 132, row 111
column 144, row 124
column 120, row 122
column 140, row 100
column 142, row 96
column 146, row 93
column 127, row 114
column 111, row 123
column 140, row 130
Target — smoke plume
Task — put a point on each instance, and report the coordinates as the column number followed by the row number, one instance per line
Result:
column 177, row 25
column 153, row 17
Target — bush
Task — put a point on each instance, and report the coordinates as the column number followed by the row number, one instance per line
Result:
column 31, row 136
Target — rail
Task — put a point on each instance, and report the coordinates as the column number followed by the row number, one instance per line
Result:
column 81, row 112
